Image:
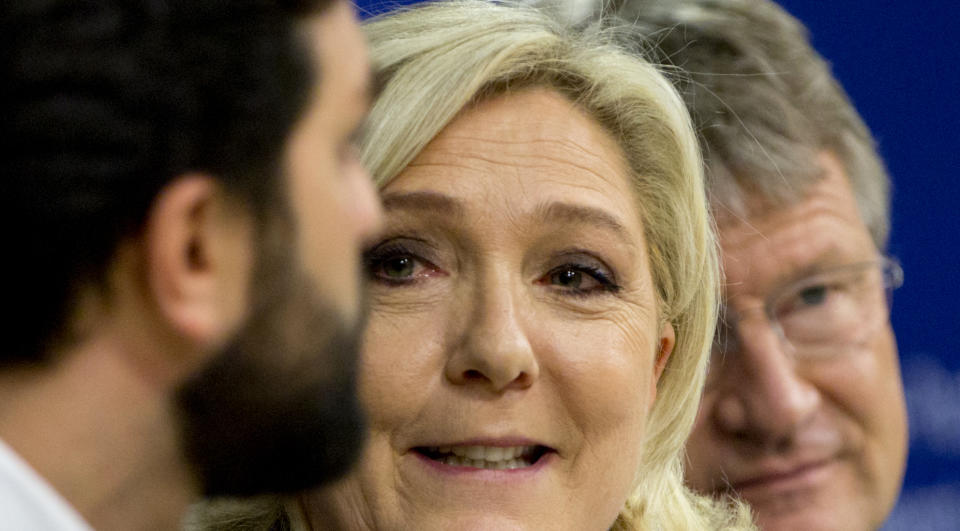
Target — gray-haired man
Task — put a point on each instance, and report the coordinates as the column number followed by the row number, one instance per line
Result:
column 803, row 415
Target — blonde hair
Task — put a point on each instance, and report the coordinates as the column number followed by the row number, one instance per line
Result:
column 435, row 60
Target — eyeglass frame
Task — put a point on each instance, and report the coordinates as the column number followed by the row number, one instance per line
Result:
column 891, row 277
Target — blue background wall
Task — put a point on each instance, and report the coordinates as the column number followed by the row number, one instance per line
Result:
column 900, row 63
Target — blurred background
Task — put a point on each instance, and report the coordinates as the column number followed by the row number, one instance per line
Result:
column 900, row 63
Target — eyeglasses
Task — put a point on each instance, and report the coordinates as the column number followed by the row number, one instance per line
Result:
column 822, row 315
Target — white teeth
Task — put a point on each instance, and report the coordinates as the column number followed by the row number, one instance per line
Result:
column 454, row 460
column 486, row 453
column 486, row 457
column 474, row 452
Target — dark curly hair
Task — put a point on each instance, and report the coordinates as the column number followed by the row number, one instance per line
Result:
column 103, row 102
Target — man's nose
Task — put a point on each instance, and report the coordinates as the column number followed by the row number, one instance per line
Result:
column 494, row 351
column 763, row 398
column 367, row 213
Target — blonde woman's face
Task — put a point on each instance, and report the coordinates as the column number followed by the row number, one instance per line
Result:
column 513, row 346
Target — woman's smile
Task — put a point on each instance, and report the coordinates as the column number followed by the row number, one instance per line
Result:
column 482, row 457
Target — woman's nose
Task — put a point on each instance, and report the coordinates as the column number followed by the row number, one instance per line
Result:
column 494, row 351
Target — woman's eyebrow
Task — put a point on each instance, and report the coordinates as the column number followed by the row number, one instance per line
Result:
column 581, row 214
column 424, row 201
column 553, row 212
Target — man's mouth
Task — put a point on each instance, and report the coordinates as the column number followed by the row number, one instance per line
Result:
column 485, row 457
column 780, row 479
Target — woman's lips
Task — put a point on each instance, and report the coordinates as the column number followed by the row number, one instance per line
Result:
column 487, row 456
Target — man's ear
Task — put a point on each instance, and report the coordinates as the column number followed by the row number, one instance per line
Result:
column 199, row 256
column 668, row 340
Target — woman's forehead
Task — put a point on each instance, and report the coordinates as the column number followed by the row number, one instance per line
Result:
column 529, row 147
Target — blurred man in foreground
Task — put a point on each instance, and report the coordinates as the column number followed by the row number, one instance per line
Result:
column 185, row 217
column 803, row 415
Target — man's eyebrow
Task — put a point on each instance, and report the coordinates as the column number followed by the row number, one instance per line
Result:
column 832, row 255
column 794, row 270
column 423, row 201
column 582, row 214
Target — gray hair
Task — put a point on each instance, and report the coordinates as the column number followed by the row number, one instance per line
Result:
column 764, row 103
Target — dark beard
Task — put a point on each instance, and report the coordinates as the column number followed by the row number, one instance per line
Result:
column 276, row 411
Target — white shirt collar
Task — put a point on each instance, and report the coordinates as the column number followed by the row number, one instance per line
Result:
column 27, row 501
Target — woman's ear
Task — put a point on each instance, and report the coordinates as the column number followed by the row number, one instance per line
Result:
column 199, row 255
column 667, row 341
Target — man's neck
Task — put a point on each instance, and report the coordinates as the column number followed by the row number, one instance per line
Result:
column 101, row 435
